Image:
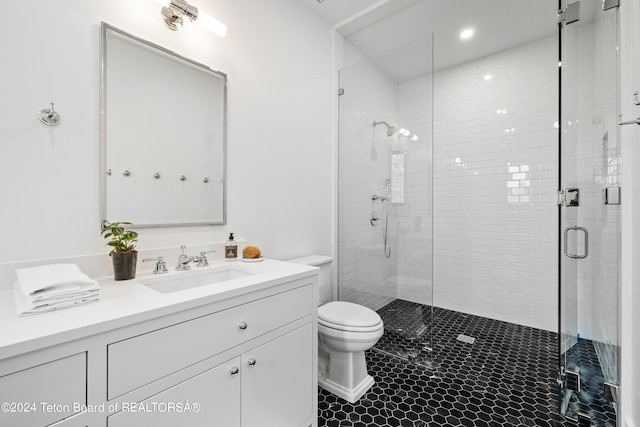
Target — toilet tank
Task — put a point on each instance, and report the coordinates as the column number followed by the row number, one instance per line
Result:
column 324, row 276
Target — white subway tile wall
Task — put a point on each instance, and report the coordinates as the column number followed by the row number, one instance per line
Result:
column 494, row 189
column 414, row 216
column 366, row 276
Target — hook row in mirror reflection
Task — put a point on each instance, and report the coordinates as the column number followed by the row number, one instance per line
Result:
column 157, row 175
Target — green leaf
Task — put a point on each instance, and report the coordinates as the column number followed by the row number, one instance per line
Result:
column 121, row 239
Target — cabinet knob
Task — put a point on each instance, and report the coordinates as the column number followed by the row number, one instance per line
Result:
column 234, row 371
column 252, row 362
column 243, row 325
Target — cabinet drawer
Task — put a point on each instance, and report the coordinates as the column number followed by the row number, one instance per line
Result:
column 44, row 394
column 143, row 359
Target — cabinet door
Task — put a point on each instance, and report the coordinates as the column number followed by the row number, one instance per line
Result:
column 44, row 394
column 277, row 381
column 216, row 393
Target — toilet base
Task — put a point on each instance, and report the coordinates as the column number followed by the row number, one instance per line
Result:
column 350, row 394
column 342, row 366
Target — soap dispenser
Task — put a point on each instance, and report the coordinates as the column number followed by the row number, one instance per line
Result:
column 231, row 249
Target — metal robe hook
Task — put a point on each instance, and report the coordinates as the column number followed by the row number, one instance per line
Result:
column 49, row 116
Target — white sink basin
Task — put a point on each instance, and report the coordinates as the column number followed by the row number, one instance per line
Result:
column 192, row 279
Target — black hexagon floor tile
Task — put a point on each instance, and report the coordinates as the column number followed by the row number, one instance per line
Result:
column 506, row 377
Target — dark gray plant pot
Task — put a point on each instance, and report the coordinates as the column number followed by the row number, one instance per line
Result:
column 124, row 265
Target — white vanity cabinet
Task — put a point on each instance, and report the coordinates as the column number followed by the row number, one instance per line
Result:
column 262, row 388
column 247, row 360
column 267, row 375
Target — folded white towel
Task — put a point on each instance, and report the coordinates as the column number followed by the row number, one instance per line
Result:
column 54, row 279
column 52, row 287
column 25, row 306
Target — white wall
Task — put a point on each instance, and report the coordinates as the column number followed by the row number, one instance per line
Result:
column 277, row 57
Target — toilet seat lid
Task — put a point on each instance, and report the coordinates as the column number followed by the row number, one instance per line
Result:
column 342, row 313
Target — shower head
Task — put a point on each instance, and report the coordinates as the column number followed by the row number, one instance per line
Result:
column 391, row 130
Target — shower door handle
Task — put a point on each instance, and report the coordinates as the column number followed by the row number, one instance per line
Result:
column 566, row 242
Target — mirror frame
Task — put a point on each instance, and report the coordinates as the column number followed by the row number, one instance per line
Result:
column 104, row 28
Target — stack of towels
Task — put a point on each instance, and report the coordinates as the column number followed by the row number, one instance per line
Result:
column 52, row 287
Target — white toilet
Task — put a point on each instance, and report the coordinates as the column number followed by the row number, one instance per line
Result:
column 345, row 332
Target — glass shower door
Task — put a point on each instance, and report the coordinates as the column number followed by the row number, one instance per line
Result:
column 385, row 196
column 588, row 215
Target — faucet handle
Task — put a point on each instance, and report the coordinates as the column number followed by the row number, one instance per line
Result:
column 161, row 265
column 202, row 259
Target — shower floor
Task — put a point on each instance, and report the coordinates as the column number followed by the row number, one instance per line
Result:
column 506, row 377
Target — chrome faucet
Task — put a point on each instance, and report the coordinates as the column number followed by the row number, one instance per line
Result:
column 202, row 261
column 161, row 266
column 184, row 260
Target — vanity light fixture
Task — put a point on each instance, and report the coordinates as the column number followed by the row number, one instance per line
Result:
column 173, row 12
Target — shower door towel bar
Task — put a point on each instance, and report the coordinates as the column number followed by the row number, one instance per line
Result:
column 566, row 242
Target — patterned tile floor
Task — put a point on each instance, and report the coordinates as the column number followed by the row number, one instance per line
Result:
column 505, row 378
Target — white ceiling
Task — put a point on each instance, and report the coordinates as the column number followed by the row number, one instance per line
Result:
column 397, row 34
column 336, row 11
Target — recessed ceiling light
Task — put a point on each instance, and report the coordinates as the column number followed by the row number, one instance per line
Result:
column 466, row 34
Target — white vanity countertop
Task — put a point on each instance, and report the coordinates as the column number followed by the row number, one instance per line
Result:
column 127, row 302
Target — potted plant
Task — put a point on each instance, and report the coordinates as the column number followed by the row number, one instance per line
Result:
column 123, row 249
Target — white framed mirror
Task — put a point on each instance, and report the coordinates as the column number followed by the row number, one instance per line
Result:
column 162, row 135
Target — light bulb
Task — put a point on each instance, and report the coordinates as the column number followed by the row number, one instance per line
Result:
column 210, row 23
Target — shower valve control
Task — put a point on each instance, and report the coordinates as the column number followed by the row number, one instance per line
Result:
column 374, row 218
